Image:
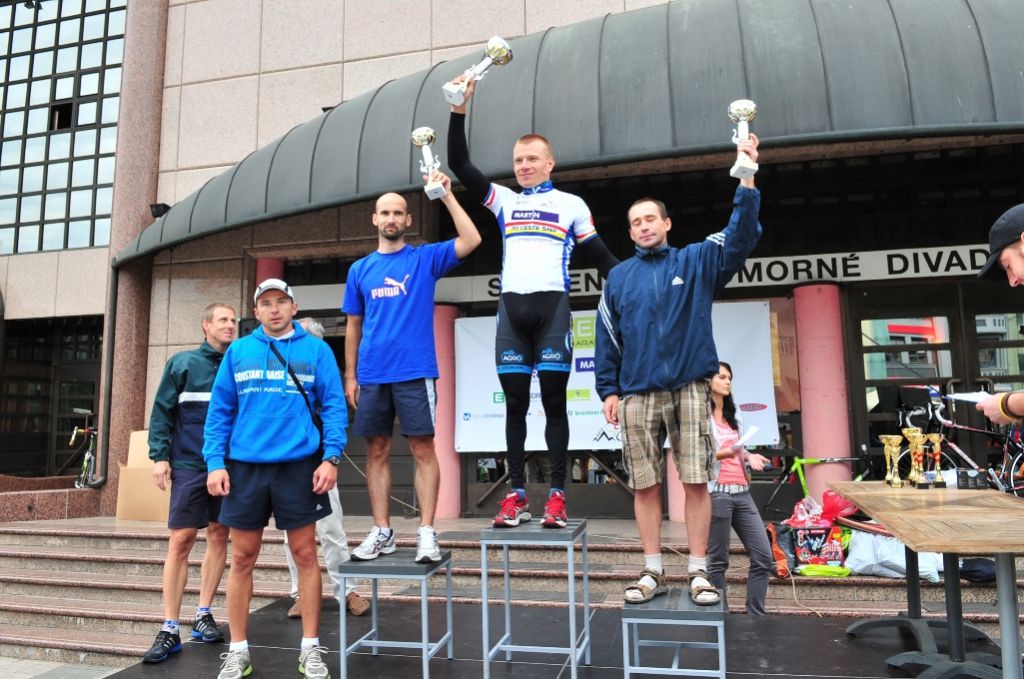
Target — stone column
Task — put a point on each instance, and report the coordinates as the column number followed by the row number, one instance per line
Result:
column 269, row 267
column 824, row 406
column 449, row 497
column 135, row 184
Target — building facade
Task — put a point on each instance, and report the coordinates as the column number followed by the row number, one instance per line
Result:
column 61, row 65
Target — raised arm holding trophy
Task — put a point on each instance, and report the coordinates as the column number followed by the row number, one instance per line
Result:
column 540, row 228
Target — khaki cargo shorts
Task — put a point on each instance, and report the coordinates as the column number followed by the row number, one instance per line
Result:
column 684, row 416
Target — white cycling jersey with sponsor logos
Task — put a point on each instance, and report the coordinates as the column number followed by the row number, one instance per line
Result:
column 539, row 227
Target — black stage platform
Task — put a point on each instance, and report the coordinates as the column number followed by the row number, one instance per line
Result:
column 782, row 647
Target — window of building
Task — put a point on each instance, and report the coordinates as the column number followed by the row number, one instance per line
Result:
column 49, row 368
column 60, row 69
column 60, row 116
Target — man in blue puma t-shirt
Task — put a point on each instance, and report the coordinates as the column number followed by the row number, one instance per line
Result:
column 390, row 363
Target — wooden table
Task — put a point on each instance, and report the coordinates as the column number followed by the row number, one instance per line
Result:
column 954, row 522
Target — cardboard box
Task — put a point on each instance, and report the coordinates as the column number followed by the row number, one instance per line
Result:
column 138, row 450
column 138, row 499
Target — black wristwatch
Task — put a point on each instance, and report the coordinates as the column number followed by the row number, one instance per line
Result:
column 333, row 459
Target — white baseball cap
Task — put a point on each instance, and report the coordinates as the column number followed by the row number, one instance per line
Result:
column 272, row 284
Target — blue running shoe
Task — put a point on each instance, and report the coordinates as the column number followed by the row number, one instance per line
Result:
column 205, row 629
column 165, row 644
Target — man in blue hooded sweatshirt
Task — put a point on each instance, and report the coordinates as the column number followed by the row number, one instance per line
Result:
column 265, row 454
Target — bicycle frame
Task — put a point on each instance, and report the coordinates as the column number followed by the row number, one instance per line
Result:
column 89, row 434
column 797, row 467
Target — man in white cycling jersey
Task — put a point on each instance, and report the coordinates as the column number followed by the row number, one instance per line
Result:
column 540, row 227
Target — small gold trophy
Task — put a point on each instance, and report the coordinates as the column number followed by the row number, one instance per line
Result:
column 917, row 442
column 936, row 441
column 892, row 455
column 908, row 433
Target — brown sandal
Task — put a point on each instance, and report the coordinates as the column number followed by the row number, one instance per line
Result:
column 697, row 590
column 646, row 593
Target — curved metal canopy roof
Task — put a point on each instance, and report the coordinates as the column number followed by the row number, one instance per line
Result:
column 644, row 84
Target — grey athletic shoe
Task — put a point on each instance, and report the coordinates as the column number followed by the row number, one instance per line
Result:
column 427, row 550
column 374, row 545
column 311, row 665
column 236, row 665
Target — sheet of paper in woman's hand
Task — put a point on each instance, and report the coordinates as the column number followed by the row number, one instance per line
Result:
column 746, row 437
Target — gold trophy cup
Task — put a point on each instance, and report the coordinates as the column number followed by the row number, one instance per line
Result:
column 917, row 442
column 936, row 441
column 892, row 455
column 908, row 433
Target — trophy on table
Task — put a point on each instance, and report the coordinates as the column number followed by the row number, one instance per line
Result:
column 917, row 440
column 892, row 455
column 936, row 441
column 423, row 137
column 496, row 53
column 741, row 112
column 908, row 434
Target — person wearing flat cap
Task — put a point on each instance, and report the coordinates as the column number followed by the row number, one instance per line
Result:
column 1005, row 258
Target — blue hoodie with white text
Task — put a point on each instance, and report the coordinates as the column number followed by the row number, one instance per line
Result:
column 256, row 406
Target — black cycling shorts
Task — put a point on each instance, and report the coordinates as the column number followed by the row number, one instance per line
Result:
column 534, row 331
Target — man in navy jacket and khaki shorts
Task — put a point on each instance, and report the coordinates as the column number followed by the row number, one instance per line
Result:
column 654, row 357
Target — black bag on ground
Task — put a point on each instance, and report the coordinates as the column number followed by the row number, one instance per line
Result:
column 978, row 570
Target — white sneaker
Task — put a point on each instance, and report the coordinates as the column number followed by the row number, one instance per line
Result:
column 236, row 665
column 427, row 550
column 374, row 545
column 311, row 665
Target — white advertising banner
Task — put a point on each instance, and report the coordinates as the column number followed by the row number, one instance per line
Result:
column 743, row 336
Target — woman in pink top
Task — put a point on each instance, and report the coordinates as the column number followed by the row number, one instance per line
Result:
column 731, row 504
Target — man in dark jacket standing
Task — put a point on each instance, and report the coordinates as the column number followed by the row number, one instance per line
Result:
column 176, row 447
column 654, row 357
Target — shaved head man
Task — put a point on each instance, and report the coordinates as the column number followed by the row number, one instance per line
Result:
column 390, row 363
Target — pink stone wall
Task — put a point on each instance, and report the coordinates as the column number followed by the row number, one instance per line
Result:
column 135, row 176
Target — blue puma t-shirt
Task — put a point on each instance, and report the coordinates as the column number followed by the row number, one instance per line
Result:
column 394, row 293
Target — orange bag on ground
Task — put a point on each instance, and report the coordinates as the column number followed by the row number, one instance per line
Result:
column 782, row 568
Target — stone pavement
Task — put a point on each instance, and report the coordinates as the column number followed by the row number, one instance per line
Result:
column 17, row 668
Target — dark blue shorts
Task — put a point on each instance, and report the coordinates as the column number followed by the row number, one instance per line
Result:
column 191, row 505
column 284, row 489
column 414, row 402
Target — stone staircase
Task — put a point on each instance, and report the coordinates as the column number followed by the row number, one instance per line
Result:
column 89, row 590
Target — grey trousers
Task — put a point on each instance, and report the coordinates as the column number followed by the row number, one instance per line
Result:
column 738, row 512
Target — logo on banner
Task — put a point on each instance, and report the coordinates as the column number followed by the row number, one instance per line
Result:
column 467, row 417
column 584, row 332
column 752, row 407
column 577, row 394
column 584, row 365
column 608, row 432
column 497, row 397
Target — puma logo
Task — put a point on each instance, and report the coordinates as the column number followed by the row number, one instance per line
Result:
column 394, row 290
column 388, row 280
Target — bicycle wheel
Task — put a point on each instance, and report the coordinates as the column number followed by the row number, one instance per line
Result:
column 903, row 464
column 1014, row 479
